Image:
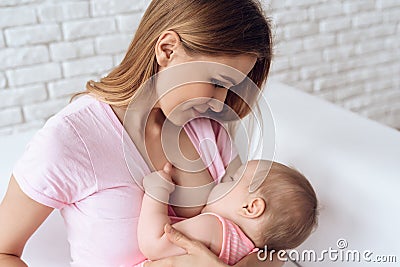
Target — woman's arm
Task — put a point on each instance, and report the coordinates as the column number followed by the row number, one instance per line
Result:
column 20, row 217
column 198, row 255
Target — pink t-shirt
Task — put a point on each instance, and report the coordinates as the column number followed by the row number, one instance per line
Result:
column 76, row 163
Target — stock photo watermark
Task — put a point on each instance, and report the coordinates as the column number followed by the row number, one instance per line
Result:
column 340, row 253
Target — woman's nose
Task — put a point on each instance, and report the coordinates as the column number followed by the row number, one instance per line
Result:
column 217, row 102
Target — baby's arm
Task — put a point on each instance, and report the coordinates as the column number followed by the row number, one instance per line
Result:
column 154, row 216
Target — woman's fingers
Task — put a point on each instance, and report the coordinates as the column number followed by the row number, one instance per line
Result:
column 182, row 241
column 178, row 238
column 197, row 253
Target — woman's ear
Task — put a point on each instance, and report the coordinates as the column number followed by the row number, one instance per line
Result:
column 253, row 208
column 167, row 44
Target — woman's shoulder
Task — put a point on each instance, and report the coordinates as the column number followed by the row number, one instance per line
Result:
column 79, row 117
column 56, row 159
column 79, row 107
column 64, row 131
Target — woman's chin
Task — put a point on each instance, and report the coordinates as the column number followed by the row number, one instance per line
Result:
column 178, row 121
column 184, row 117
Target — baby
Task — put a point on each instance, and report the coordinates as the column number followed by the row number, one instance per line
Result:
column 265, row 204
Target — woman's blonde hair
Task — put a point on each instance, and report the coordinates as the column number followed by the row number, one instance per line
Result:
column 220, row 27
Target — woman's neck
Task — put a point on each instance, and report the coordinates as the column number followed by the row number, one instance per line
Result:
column 138, row 117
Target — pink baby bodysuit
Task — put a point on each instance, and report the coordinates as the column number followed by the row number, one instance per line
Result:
column 235, row 243
column 77, row 163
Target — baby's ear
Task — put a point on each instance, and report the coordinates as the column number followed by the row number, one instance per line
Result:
column 253, row 208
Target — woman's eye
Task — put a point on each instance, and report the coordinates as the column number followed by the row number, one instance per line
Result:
column 217, row 84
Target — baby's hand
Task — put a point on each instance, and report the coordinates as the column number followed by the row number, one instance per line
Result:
column 159, row 184
column 166, row 172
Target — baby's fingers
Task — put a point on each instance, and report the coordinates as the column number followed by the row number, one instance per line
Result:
column 167, row 168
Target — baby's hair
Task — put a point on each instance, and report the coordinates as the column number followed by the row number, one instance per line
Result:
column 217, row 28
column 291, row 208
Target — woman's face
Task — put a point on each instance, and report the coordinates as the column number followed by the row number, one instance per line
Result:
column 204, row 85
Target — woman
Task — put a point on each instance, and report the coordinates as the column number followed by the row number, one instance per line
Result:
column 77, row 162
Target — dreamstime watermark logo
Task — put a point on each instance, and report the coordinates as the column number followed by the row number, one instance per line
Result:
column 339, row 254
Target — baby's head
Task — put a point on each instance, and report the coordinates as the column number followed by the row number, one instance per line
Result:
column 273, row 204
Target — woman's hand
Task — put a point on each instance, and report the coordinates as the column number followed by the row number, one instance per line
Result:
column 197, row 253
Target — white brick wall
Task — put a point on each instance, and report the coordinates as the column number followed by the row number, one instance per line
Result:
column 23, row 96
column 33, row 74
column 58, row 11
column 10, row 116
column 49, row 49
column 89, row 27
column 3, row 80
column 16, row 16
column 17, row 57
column 36, row 34
column 344, row 51
column 347, row 52
column 63, row 51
